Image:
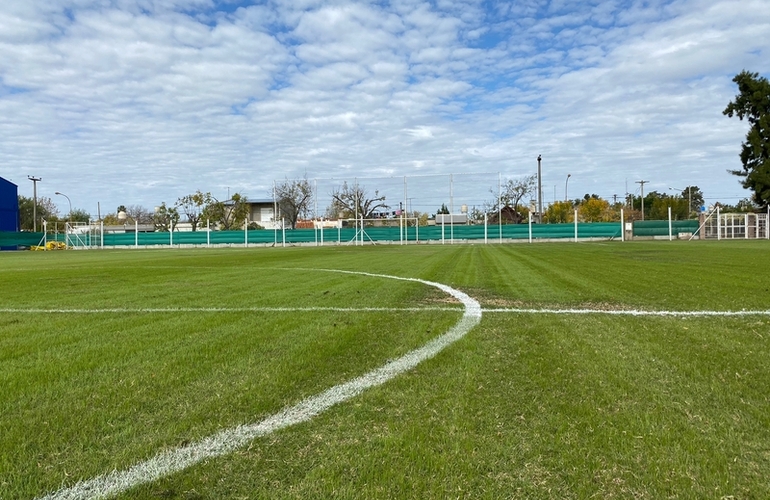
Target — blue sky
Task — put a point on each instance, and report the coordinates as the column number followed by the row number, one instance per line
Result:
column 137, row 102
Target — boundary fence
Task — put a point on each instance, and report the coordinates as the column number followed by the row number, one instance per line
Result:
column 718, row 226
column 439, row 234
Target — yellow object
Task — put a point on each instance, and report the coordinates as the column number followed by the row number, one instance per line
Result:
column 51, row 245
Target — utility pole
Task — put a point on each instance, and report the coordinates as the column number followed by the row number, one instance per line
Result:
column 539, row 193
column 34, row 180
column 642, row 183
column 614, row 199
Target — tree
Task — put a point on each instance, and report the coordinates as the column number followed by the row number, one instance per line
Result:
column 658, row 209
column 294, row 198
column 594, row 209
column 229, row 214
column 46, row 209
column 192, row 205
column 746, row 205
column 753, row 103
column 79, row 215
column 477, row 214
column 649, row 201
column 112, row 220
column 513, row 191
column 443, row 209
column 138, row 213
column 165, row 218
column 559, row 213
column 351, row 201
column 694, row 197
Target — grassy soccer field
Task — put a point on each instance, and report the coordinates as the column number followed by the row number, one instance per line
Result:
column 108, row 358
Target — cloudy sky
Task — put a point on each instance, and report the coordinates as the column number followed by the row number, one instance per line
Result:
column 137, row 102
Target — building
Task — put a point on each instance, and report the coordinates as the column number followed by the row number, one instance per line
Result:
column 9, row 206
column 261, row 212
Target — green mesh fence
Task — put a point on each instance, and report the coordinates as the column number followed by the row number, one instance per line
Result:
column 660, row 227
column 14, row 240
column 370, row 234
column 604, row 230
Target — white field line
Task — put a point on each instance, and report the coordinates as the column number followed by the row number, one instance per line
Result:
column 629, row 312
column 151, row 310
column 226, row 441
column 159, row 310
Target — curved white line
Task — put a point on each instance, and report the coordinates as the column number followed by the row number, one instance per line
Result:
column 226, row 441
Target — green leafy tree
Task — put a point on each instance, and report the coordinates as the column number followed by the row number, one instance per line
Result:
column 746, row 205
column 229, row 214
column 111, row 219
column 694, row 197
column 443, row 209
column 46, row 210
column 659, row 208
column 753, row 103
column 649, row 201
column 192, row 206
column 79, row 215
column 559, row 213
column 165, row 218
column 594, row 209
column 294, row 198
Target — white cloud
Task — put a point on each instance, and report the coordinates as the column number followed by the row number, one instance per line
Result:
column 138, row 102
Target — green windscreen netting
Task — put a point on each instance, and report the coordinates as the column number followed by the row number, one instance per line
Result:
column 438, row 233
column 10, row 240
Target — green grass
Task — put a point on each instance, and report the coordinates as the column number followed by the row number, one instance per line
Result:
column 526, row 406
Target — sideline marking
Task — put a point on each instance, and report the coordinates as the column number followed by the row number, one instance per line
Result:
column 224, row 442
column 126, row 310
column 630, row 312
column 609, row 312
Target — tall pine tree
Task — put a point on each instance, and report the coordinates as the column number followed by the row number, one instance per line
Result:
column 753, row 103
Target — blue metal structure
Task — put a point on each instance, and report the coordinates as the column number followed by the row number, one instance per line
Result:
column 9, row 206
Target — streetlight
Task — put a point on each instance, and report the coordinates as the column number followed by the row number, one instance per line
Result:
column 689, row 196
column 566, row 183
column 69, row 217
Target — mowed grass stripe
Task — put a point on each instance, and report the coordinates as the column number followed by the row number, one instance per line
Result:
column 227, row 441
column 527, row 406
column 614, row 409
column 136, row 384
column 611, row 312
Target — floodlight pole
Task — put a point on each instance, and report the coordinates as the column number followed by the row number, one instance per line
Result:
column 566, row 184
column 539, row 192
column 34, row 180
